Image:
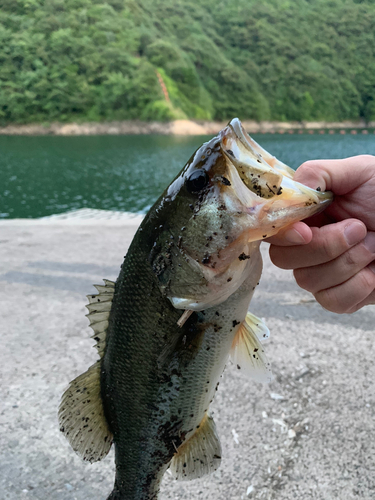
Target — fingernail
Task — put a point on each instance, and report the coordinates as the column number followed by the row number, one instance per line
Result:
column 354, row 233
column 369, row 242
column 293, row 236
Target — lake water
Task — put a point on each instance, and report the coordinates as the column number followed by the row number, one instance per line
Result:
column 49, row 175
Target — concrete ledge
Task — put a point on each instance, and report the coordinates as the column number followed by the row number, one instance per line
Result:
column 307, row 435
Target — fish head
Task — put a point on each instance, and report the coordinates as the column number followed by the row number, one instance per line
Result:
column 229, row 196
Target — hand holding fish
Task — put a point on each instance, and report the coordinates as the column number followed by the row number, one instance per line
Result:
column 332, row 254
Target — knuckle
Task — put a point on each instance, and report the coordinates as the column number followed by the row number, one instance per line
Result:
column 328, row 249
column 367, row 159
column 329, row 299
column 349, row 259
column 367, row 280
column 303, row 279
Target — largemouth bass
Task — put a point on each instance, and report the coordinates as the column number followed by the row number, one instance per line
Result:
column 178, row 310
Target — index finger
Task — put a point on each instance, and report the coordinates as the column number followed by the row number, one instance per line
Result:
column 339, row 176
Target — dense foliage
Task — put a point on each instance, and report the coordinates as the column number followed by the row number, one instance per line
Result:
column 262, row 59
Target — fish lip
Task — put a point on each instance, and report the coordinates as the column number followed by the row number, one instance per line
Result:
column 236, row 125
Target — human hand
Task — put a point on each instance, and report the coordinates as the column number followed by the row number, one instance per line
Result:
column 332, row 254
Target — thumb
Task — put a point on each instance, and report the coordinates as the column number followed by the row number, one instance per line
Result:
column 339, row 176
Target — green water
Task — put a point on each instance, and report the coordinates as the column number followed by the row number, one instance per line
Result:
column 49, row 175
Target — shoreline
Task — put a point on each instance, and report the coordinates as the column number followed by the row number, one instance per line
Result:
column 184, row 128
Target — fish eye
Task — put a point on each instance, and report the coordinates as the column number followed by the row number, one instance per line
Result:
column 197, row 181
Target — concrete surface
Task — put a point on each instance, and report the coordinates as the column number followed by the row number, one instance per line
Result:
column 308, row 435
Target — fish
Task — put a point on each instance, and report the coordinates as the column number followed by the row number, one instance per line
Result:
column 178, row 311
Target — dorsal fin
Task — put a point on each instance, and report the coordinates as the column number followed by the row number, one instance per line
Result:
column 99, row 308
column 81, row 414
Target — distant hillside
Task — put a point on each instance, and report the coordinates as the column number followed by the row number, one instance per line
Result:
column 92, row 60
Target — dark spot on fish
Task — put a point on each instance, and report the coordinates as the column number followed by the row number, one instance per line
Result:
column 209, row 238
column 206, row 259
column 264, row 236
column 226, row 237
column 273, row 227
column 235, row 323
column 225, row 181
column 255, row 350
column 229, row 279
column 222, row 207
column 217, row 314
column 215, row 234
column 318, row 188
column 280, row 190
column 191, row 206
column 238, row 366
column 243, row 256
column 208, row 348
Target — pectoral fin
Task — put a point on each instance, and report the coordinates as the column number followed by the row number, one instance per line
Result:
column 247, row 352
column 199, row 455
column 257, row 326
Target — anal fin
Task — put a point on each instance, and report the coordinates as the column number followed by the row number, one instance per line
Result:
column 247, row 352
column 200, row 454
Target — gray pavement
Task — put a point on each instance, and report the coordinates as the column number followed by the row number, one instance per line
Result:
column 309, row 434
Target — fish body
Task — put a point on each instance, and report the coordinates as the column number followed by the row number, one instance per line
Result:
column 179, row 307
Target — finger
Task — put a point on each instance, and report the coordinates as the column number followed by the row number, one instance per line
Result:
column 339, row 270
column 295, row 234
column 336, row 175
column 370, row 299
column 328, row 242
column 346, row 297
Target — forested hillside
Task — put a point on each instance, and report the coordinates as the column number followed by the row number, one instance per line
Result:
column 205, row 59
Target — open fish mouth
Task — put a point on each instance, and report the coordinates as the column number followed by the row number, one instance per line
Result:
column 264, row 186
